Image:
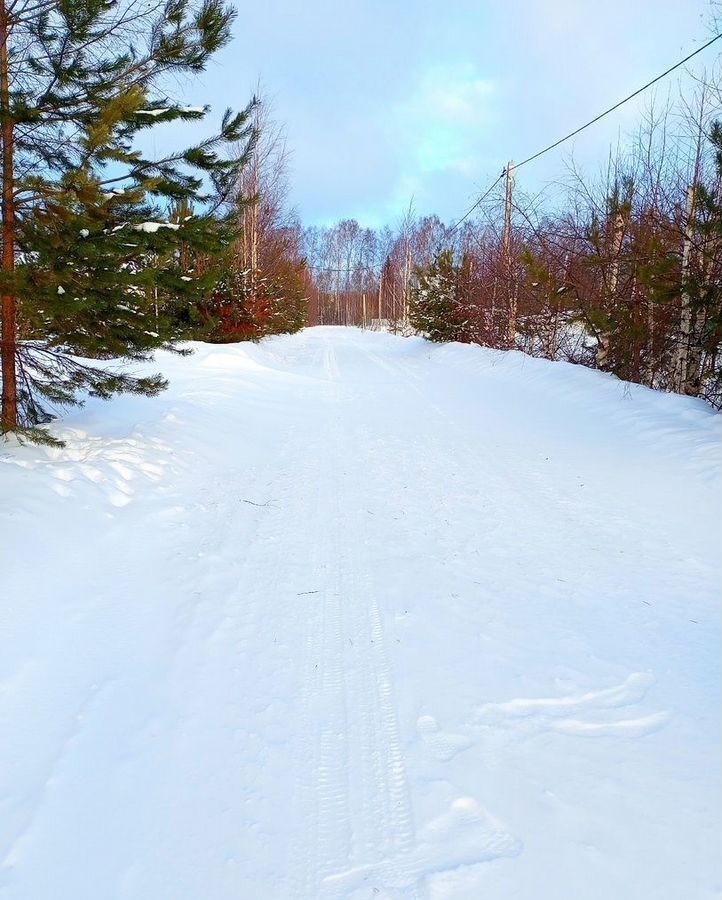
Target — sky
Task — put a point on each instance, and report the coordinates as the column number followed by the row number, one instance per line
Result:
column 388, row 100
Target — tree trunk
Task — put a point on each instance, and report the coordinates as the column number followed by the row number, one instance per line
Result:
column 636, row 373
column 686, row 325
column 407, row 279
column 381, row 290
column 492, row 314
column 8, row 345
column 649, row 367
column 617, row 238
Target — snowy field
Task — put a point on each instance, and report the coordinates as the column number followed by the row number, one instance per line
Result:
column 347, row 615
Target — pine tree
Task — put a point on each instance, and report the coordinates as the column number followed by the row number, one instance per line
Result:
column 433, row 308
column 88, row 244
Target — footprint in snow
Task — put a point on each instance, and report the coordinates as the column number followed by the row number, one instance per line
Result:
column 571, row 714
column 442, row 745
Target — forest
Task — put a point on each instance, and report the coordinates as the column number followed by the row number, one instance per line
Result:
column 110, row 253
column 361, row 478
column 621, row 272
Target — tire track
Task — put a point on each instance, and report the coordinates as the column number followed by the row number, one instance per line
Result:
column 375, row 815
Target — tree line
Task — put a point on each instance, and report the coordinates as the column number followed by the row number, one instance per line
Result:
column 622, row 272
column 109, row 252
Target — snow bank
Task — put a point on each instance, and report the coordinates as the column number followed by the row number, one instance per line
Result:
column 349, row 615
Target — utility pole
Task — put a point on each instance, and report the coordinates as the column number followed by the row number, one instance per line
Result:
column 506, row 247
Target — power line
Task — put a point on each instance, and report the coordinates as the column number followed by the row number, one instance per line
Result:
column 350, row 268
column 586, row 125
column 621, row 103
column 562, row 140
column 478, row 203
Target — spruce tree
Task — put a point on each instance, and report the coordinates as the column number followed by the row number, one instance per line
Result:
column 702, row 285
column 433, row 307
column 88, row 241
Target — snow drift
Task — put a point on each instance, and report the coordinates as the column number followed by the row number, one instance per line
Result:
column 348, row 615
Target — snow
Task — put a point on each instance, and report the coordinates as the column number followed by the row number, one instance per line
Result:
column 166, row 109
column 346, row 615
column 152, row 227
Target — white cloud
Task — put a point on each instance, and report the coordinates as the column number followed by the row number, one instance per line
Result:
column 440, row 130
column 446, row 115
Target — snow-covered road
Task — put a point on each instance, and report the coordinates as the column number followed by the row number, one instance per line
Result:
column 345, row 615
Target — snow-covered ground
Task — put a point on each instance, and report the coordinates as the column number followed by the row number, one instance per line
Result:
column 346, row 615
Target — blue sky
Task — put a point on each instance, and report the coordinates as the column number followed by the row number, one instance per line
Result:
column 385, row 100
